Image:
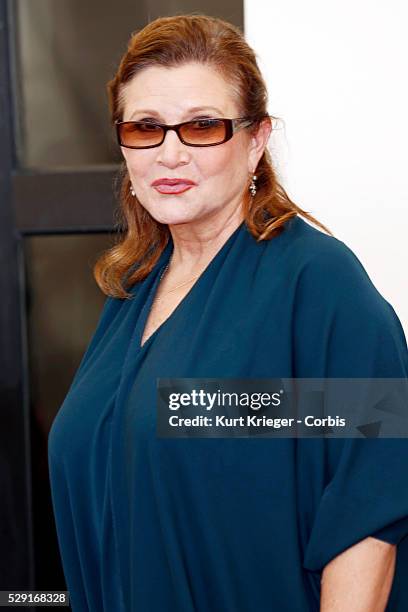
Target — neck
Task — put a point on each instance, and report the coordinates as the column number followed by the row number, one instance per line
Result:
column 196, row 244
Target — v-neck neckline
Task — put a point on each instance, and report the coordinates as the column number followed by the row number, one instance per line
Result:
column 163, row 261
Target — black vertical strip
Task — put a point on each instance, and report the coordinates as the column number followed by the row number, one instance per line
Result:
column 16, row 551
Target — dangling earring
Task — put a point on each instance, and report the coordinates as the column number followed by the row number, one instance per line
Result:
column 132, row 191
column 252, row 186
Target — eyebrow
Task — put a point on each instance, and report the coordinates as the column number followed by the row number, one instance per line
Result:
column 194, row 109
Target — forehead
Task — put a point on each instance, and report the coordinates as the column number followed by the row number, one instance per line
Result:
column 174, row 91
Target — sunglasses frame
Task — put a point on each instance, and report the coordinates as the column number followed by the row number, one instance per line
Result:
column 231, row 127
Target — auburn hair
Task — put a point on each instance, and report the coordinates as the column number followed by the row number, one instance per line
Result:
column 170, row 42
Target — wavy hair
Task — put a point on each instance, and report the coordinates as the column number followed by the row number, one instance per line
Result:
column 170, row 42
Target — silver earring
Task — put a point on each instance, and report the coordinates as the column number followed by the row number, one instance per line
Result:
column 132, row 191
column 252, row 186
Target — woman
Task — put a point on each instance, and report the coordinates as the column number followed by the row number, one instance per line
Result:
column 217, row 275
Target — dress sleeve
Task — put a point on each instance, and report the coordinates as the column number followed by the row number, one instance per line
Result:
column 344, row 328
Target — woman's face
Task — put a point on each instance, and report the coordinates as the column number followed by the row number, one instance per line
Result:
column 220, row 173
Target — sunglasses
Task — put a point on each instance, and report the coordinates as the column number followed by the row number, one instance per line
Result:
column 196, row 133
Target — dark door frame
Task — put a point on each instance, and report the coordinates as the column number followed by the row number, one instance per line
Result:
column 32, row 202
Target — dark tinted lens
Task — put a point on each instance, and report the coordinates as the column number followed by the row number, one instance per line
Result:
column 203, row 131
column 140, row 134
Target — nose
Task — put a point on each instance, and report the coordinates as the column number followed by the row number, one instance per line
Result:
column 172, row 151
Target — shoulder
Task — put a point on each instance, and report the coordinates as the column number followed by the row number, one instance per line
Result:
column 324, row 266
column 106, row 320
column 310, row 247
column 339, row 315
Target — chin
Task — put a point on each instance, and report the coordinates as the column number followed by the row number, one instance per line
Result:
column 169, row 215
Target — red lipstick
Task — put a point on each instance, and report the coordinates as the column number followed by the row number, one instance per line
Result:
column 172, row 185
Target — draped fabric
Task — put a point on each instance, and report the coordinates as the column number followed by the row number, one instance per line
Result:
column 149, row 524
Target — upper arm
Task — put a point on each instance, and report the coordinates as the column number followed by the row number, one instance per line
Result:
column 343, row 328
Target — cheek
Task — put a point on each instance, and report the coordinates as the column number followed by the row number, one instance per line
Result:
column 225, row 160
column 138, row 164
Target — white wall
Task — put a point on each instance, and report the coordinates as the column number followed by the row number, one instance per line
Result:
column 337, row 76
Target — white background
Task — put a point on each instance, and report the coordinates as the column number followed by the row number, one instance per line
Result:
column 337, row 76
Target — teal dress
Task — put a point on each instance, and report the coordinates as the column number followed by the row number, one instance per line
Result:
column 149, row 524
